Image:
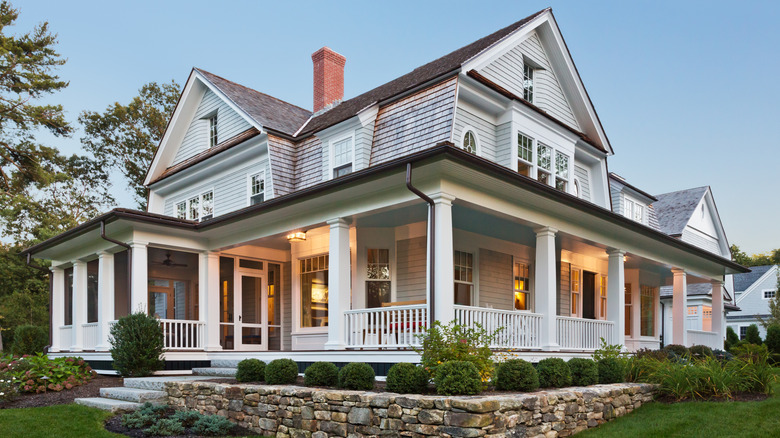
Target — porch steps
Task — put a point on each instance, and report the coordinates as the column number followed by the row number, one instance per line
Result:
column 134, row 395
column 109, row 404
column 136, row 392
column 215, row 372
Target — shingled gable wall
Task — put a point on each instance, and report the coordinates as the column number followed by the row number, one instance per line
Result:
column 296, row 412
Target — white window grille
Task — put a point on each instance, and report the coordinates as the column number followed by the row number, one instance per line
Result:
column 528, row 83
column 525, row 154
column 213, row 137
column 544, row 163
column 470, row 142
column 464, row 277
column 342, row 157
column 257, row 188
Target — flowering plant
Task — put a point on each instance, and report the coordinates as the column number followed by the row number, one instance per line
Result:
column 39, row 373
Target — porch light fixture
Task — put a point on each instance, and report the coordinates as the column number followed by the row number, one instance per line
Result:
column 299, row 236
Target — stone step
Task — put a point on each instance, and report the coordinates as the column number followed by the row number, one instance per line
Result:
column 158, row 383
column 215, row 371
column 108, row 404
column 134, row 395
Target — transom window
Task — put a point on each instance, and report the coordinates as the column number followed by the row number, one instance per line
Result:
column 197, row 208
column 314, row 291
column 603, row 296
column 561, row 171
column 377, row 277
column 528, row 83
column 525, row 154
column 257, row 188
column 470, row 142
column 464, row 277
column 769, row 294
column 576, row 287
column 544, row 163
column 522, row 291
column 342, row 157
column 693, row 310
column 213, row 137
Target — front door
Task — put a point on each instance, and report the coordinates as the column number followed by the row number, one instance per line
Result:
column 588, row 295
column 257, row 325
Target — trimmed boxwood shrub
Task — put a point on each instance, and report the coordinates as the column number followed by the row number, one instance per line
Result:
column 553, row 373
column 676, row 350
column 358, row 376
column 752, row 336
column 701, row 351
column 731, row 338
column 321, row 374
column 584, row 372
column 516, row 375
column 250, row 370
column 281, row 372
column 407, row 378
column 611, row 370
column 29, row 339
column 137, row 345
column 457, row 377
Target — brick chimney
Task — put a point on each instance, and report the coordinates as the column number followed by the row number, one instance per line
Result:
column 328, row 77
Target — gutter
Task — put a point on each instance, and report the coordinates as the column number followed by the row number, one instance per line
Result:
column 431, row 242
column 129, row 255
column 51, row 295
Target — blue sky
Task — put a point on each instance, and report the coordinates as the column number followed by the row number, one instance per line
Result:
column 686, row 91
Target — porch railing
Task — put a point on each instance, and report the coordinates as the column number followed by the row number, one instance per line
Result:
column 385, row 327
column 90, row 335
column 710, row 339
column 66, row 337
column 183, row 335
column 512, row 329
column 583, row 334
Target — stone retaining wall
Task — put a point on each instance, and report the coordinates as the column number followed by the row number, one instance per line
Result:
column 296, row 412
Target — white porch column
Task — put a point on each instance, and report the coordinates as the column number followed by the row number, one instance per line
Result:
column 717, row 310
column 679, row 307
column 139, row 293
column 105, row 298
column 57, row 309
column 616, row 297
column 339, row 288
column 443, row 265
column 79, row 304
column 546, row 289
column 208, row 297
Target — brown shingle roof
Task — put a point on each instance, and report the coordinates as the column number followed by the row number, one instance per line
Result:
column 266, row 110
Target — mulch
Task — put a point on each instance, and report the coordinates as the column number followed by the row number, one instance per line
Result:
column 48, row 398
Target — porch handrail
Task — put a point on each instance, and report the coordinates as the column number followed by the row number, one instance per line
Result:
column 583, row 333
column 385, row 327
column 703, row 337
column 512, row 328
column 180, row 334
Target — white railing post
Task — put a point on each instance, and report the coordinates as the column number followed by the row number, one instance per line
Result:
column 388, row 327
column 546, row 288
column 105, row 298
column 339, row 291
column 616, row 297
column 679, row 307
column 58, row 310
column 79, row 304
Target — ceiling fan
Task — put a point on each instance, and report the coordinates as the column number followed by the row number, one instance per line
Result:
column 169, row 263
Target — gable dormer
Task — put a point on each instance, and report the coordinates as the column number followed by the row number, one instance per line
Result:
column 631, row 202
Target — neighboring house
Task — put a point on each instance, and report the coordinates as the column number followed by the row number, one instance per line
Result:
column 474, row 188
column 753, row 292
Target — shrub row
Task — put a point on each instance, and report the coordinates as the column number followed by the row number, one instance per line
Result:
column 357, row 376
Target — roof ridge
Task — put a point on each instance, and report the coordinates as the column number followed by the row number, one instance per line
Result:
column 252, row 89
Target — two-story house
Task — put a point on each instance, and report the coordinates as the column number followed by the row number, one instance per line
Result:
column 754, row 291
column 474, row 188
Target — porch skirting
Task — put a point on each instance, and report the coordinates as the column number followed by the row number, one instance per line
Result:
column 286, row 411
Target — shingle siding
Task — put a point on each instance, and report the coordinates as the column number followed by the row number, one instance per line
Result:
column 196, row 140
column 308, row 167
column 411, row 266
column 282, row 169
column 495, row 280
column 414, row 123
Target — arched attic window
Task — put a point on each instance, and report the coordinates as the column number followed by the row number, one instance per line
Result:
column 469, row 143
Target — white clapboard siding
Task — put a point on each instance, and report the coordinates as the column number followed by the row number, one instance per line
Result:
column 484, row 130
column 506, row 151
column 701, row 240
column 495, row 280
column 411, row 269
column 196, row 140
column 617, row 197
column 507, row 71
column 581, row 173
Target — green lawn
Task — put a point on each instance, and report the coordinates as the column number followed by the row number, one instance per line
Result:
column 697, row 419
column 62, row 421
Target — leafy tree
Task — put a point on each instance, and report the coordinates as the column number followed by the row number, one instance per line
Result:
column 731, row 338
column 124, row 136
column 761, row 259
column 739, row 256
column 752, row 336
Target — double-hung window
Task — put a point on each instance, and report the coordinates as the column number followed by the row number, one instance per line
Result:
column 314, row 291
column 522, row 287
column 576, row 289
column 257, row 188
column 603, row 296
column 377, row 277
column 550, row 167
column 196, row 208
column 561, row 171
column 742, row 332
column 464, row 277
column 525, row 154
column 213, row 138
column 528, row 83
column 647, row 310
column 633, row 210
column 628, row 312
column 342, row 157
column 543, row 163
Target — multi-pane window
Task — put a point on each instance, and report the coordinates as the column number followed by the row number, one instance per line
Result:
column 742, row 332
column 628, row 312
column 213, row 131
column 528, row 83
column 633, row 210
column 342, row 157
column 193, row 210
column 207, row 206
column 693, row 310
column 197, row 208
column 769, row 294
column 181, row 210
column 470, row 142
column 314, row 291
column 377, row 277
column 464, row 277
column 576, row 287
column 647, row 311
column 544, row 163
column 707, row 312
column 603, row 296
column 525, row 154
column 561, row 171
column 256, row 188
column 522, row 292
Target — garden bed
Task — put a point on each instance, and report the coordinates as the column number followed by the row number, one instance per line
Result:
column 115, row 425
column 48, row 398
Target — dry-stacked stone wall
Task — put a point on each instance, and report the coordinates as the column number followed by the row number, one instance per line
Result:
column 296, row 412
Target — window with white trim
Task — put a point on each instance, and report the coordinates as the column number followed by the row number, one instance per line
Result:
column 742, row 332
column 769, row 294
column 576, row 289
column 341, row 152
column 647, row 307
column 628, row 312
column 693, row 310
column 633, row 210
column 181, row 210
column 207, row 205
column 561, row 171
column 314, row 291
column 528, row 83
column 543, row 163
column 470, row 142
column 603, row 296
column 213, row 137
column 464, row 277
column 522, row 286
column 550, row 167
column 377, row 277
column 525, row 154
column 257, row 188
column 197, row 208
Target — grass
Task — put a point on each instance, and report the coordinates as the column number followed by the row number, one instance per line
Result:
column 697, row 419
column 62, row 421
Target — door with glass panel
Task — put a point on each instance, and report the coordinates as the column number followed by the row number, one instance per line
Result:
column 252, row 313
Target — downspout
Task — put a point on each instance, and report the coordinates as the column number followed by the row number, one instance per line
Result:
column 51, row 292
column 129, row 258
column 431, row 244
column 663, row 323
